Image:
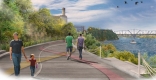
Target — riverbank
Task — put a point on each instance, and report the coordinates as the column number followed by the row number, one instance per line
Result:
column 108, row 50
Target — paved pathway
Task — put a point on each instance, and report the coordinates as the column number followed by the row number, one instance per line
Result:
column 56, row 66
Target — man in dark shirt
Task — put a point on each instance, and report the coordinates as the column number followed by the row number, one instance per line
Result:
column 16, row 46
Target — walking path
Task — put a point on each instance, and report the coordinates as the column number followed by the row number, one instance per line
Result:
column 54, row 65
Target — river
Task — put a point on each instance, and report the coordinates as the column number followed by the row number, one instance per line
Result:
column 144, row 45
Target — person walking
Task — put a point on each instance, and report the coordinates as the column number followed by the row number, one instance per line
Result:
column 69, row 46
column 16, row 48
column 80, row 45
column 33, row 63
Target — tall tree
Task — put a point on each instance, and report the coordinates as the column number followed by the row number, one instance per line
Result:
column 10, row 20
column 25, row 8
column 69, row 27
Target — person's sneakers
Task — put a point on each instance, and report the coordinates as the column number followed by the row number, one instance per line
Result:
column 68, row 57
column 80, row 58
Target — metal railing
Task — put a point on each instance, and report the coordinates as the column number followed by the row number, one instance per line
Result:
column 149, row 70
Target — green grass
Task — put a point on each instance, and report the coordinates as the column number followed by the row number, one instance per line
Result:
column 146, row 75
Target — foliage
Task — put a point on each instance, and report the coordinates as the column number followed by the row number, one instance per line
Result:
column 152, row 59
column 69, row 27
column 148, row 36
column 125, row 56
column 102, row 34
column 91, row 42
column 10, row 20
column 4, row 46
column 33, row 26
column 108, row 50
column 145, row 56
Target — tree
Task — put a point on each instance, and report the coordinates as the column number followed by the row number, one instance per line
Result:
column 24, row 7
column 69, row 27
column 10, row 20
column 102, row 34
column 19, row 16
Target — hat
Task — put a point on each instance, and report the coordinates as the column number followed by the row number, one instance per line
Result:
column 31, row 55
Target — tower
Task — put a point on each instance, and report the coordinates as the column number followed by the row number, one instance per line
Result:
column 63, row 11
column 63, row 16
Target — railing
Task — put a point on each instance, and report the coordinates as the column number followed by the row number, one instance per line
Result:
column 149, row 69
column 100, row 49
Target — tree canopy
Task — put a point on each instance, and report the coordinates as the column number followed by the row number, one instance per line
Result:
column 102, row 34
column 20, row 16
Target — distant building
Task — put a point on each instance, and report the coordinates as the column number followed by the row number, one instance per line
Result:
column 63, row 16
column 79, row 28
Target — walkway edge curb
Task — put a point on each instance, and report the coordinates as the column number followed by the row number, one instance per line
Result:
column 102, row 59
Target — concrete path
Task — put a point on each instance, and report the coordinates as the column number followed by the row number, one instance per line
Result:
column 56, row 66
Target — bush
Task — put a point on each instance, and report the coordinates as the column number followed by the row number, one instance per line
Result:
column 91, row 42
column 153, row 60
column 4, row 47
column 108, row 50
column 125, row 56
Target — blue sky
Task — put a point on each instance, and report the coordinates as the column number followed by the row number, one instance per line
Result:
column 104, row 14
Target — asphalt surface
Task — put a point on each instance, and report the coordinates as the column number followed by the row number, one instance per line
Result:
column 60, row 68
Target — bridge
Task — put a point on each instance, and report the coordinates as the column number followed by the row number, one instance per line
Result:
column 135, row 32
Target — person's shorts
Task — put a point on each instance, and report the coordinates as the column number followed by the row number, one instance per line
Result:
column 69, row 49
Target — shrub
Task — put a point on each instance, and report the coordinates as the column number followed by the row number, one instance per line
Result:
column 90, row 41
column 152, row 60
column 125, row 56
column 5, row 47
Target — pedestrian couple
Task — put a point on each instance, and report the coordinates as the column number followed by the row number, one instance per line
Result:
column 80, row 45
column 16, row 50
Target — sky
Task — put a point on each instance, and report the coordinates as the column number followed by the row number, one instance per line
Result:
column 104, row 14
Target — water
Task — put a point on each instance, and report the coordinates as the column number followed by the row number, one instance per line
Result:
column 144, row 45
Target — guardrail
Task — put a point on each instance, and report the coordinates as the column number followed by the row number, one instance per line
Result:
column 149, row 70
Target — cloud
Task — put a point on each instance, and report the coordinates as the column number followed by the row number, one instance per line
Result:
column 76, row 10
column 74, row 4
column 143, row 21
column 128, row 24
column 87, row 13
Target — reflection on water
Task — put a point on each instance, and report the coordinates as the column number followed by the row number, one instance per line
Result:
column 145, row 45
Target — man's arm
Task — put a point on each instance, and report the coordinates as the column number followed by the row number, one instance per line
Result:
column 77, row 42
column 10, row 50
column 24, row 53
column 65, row 40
